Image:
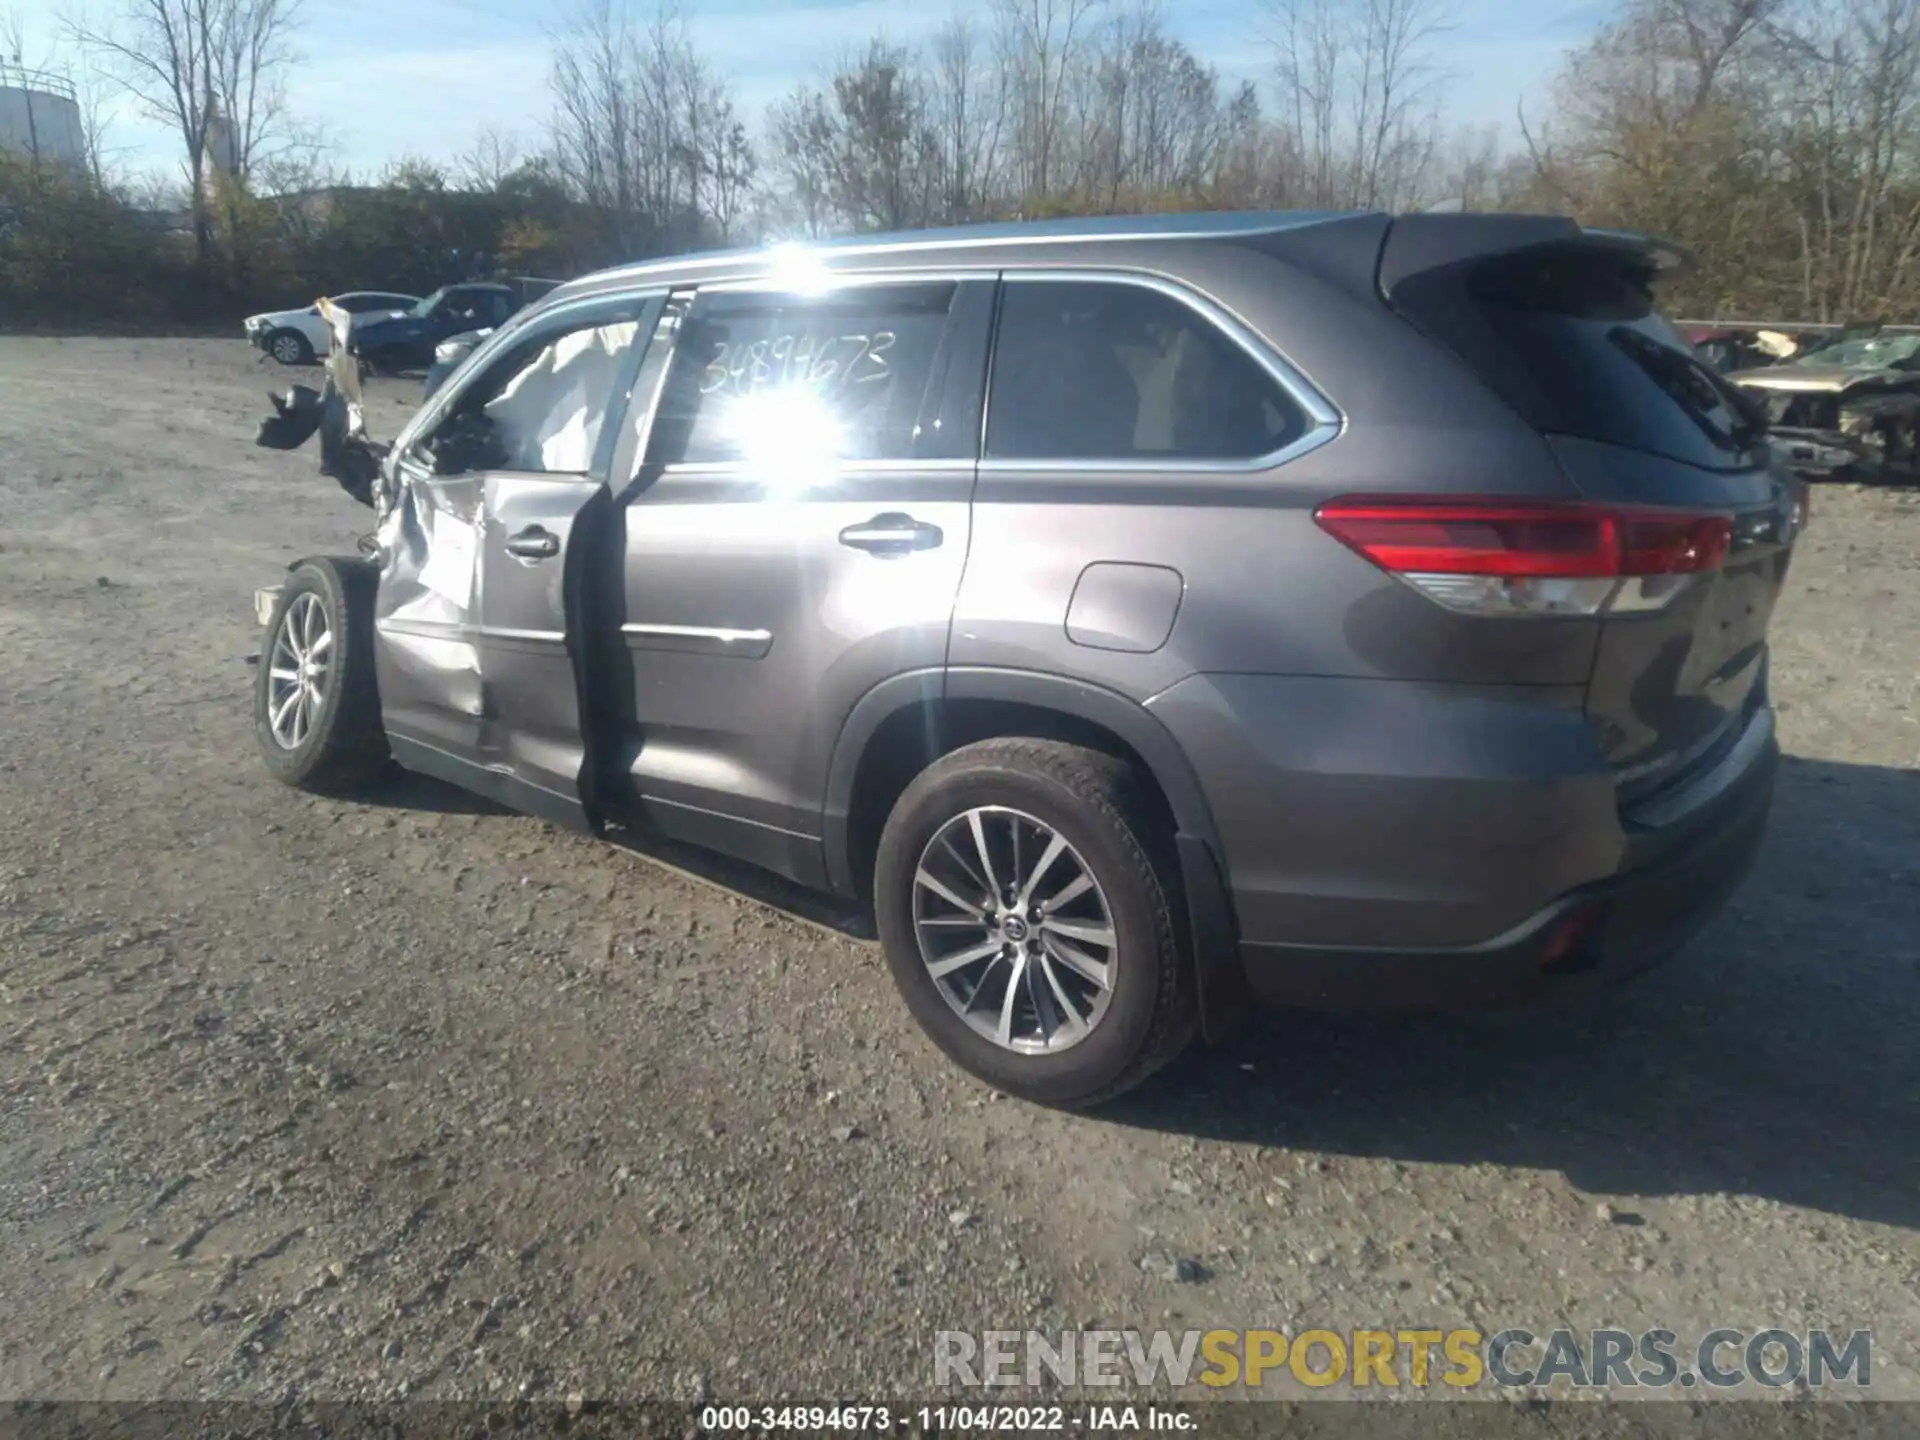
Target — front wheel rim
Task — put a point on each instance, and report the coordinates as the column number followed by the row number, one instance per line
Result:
column 298, row 671
column 286, row 350
column 1014, row 930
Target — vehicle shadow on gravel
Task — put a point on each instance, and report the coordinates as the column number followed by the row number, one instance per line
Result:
column 1775, row 1057
column 406, row 790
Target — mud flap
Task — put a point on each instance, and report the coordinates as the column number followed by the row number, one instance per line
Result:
column 1219, row 977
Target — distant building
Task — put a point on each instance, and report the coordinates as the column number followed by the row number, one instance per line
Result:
column 40, row 116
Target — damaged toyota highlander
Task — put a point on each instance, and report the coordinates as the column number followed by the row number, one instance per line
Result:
column 1139, row 616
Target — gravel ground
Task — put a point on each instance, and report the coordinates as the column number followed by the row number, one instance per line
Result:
column 412, row 1097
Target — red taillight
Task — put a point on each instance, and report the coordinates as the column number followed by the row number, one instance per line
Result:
column 1526, row 540
column 1503, row 557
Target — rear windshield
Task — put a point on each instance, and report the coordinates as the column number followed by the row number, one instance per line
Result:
column 1568, row 335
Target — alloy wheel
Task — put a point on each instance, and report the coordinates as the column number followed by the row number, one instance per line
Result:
column 299, row 669
column 1014, row 930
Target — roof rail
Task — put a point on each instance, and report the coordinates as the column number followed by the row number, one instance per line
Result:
column 1175, row 225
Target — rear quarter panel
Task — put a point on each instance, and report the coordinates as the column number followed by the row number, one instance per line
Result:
column 1263, row 589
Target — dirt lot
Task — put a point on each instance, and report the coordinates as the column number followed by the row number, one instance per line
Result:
column 412, row 1097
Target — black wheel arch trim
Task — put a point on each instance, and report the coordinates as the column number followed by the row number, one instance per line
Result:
column 358, row 562
column 1209, row 905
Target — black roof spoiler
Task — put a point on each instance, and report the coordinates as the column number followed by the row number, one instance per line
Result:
column 1422, row 244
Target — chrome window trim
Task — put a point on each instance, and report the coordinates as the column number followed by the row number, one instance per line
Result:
column 833, row 281
column 464, row 630
column 506, row 632
column 1324, row 420
column 722, row 633
column 713, row 640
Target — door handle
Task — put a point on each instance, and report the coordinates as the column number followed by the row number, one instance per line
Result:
column 533, row 543
column 892, row 534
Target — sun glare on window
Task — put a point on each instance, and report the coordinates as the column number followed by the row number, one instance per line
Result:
column 788, row 439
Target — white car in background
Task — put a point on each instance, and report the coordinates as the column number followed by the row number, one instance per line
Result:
column 299, row 337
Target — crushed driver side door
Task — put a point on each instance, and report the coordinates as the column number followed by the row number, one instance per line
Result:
column 484, row 639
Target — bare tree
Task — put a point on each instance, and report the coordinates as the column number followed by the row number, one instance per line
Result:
column 594, row 129
column 730, row 165
column 643, row 131
column 1360, row 84
column 213, row 70
column 1850, row 79
column 967, row 114
column 486, row 163
column 1040, row 43
column 1153, row 129
column 800, row 133
column 864, row 151
column 1310, row 73
column 1666, row 122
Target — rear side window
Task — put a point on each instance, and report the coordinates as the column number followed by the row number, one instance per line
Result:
column 1570, row 338
column 852, row 375
column 1104, row 370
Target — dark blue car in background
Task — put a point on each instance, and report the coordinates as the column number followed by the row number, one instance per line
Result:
column 399, row 343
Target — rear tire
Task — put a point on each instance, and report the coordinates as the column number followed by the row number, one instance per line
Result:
column 316, row 703
column 1044, row 792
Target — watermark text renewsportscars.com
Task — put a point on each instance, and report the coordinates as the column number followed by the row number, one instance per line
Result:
column 1416, row 1358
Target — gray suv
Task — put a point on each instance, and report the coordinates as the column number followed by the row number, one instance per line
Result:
column 1141, row 616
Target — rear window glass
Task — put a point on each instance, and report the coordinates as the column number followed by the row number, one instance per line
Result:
column 1570, row 338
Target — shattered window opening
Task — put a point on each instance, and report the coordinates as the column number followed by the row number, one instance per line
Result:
column 1871, row 352
column 538, row 410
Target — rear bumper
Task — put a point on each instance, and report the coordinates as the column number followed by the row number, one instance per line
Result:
column 1374, row 835
column 1592, row 937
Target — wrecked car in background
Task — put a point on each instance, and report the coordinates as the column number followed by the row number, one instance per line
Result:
column 335, row 411
column 1729, row 348
column 407, row 341
column 1846, row 405
column 447, row 356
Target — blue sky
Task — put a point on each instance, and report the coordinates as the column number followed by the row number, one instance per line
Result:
column 392, row 77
